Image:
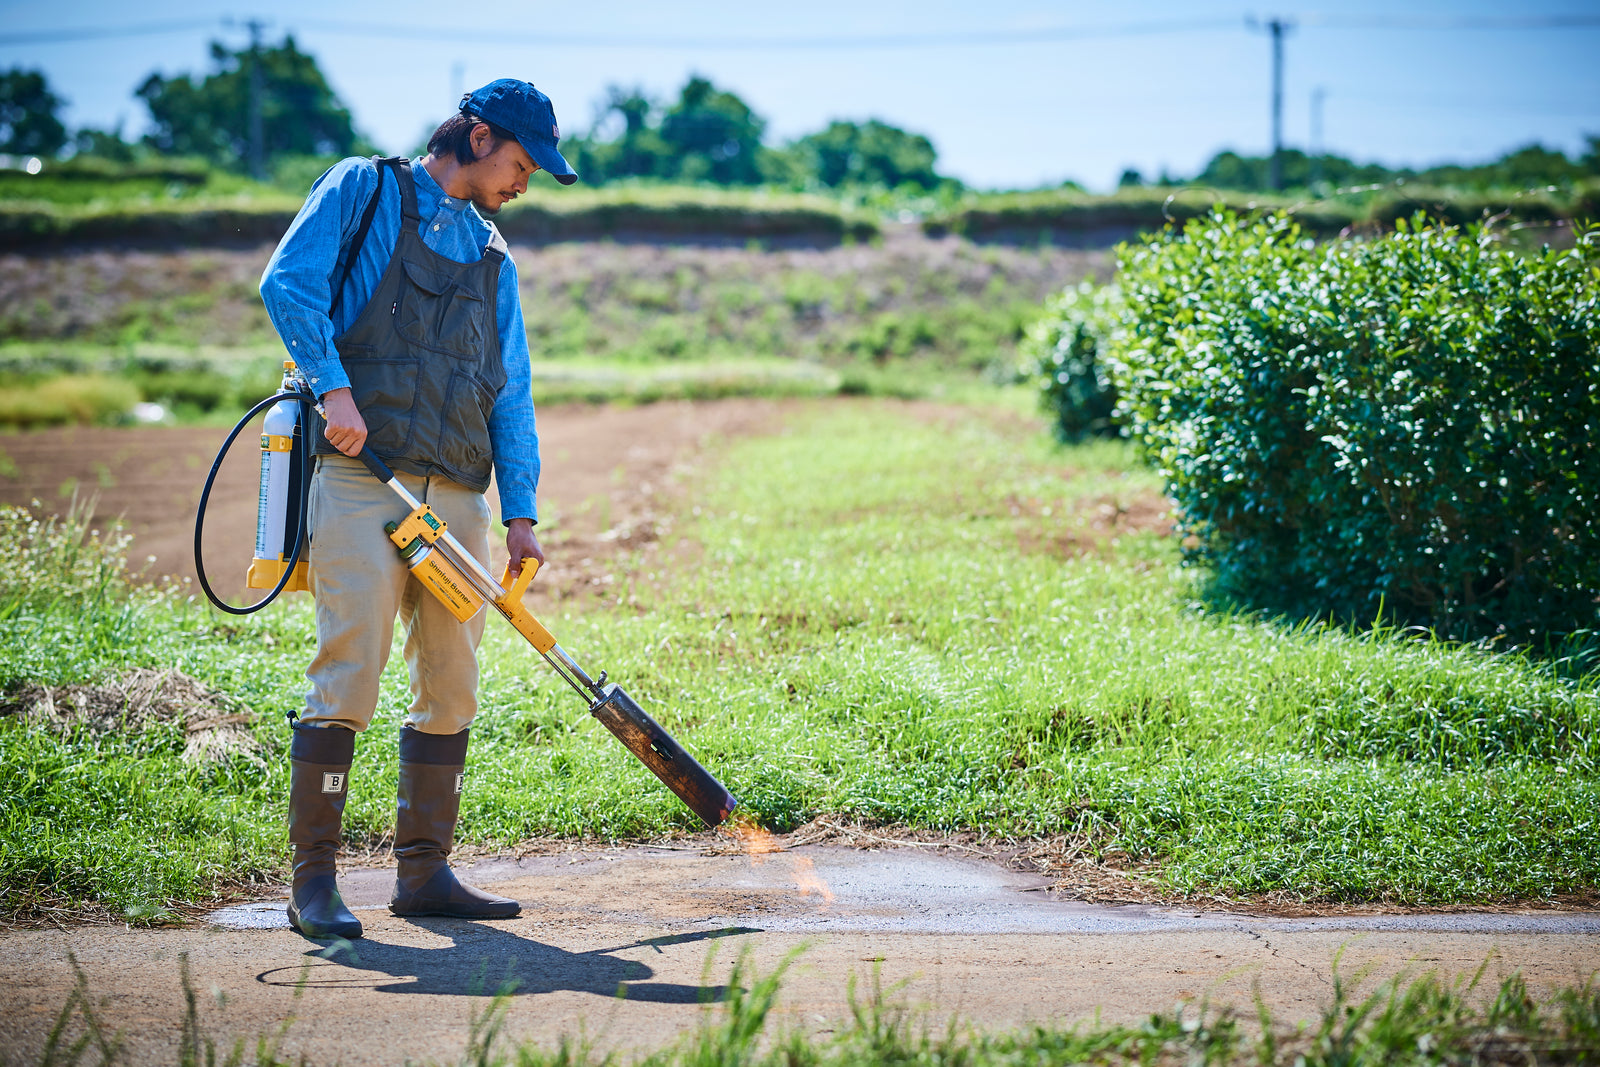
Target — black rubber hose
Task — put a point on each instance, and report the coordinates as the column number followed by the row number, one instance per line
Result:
column 305, row 485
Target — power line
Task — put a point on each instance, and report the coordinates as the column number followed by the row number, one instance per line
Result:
column 1039, row 35
column 895, row 40
column 89, row 33
column 1449, row 22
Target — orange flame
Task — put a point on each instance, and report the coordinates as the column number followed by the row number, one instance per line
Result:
column 757, row 843
column 752, row 840
column 808, row 881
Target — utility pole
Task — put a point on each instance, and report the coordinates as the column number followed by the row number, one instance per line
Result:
column 258, row 88
column 1277, row 27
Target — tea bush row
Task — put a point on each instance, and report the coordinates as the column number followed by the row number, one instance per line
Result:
column 1401, row 425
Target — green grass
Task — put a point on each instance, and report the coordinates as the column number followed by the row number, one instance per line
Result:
column 1408, row 1019
column 58, row 384
column 62, row 383
column 926, row 622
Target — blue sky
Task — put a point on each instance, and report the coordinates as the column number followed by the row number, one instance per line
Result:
column 1035, row 107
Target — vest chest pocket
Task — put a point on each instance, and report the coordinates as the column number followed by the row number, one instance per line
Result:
column 467, row 453
column 442, row 310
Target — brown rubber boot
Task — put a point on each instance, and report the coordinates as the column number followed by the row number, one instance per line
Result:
column 432, row 771
column 319, row 762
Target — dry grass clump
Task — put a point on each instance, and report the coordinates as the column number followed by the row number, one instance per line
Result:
column 216, row 726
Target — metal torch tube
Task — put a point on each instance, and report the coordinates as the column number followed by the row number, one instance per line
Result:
column 481, row 580
column 465, row 561
column 617, row 711
column 486, row 584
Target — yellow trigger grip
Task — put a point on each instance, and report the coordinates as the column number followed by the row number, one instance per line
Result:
column 514, row 590
column 510, row 604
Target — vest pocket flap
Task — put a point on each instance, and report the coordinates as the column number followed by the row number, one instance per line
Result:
column 439, row 282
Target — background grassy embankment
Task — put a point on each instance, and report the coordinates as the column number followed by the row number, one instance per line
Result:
column 173, row 202
column 1071, row 216
column 83, row 337
column 178, row 202
column 927, row 618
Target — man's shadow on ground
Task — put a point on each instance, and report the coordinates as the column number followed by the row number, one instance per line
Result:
column 485, row 961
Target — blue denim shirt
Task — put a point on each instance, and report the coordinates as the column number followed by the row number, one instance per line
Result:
column 298, row 282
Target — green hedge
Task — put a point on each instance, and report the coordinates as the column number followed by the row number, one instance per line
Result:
column 683, row 213
column 1407, row 423
column 39, row 224
column 649, row 214
column 1067, row 215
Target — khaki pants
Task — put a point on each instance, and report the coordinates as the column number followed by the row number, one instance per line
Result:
column 361, row 584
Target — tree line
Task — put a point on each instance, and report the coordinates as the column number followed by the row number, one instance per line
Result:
column 1522, row 168
column 271, row 104
column 277, row 93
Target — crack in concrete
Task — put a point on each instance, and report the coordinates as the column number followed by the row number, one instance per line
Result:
column 1273, row 951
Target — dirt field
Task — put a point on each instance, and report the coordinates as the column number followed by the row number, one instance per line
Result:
column 605, row 471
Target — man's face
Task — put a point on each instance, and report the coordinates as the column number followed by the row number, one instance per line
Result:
column 501, row 175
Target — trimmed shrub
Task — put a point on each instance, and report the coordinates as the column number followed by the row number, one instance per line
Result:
column 1065, row 352
column 1404, row 425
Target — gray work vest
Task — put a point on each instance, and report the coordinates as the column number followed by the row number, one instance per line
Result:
column 423, row 357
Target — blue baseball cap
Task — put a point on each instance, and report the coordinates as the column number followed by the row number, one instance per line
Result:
column 518, row 107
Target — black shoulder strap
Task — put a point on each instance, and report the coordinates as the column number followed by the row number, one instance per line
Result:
column 361, row 233
column 410, row 219
column 497, row 244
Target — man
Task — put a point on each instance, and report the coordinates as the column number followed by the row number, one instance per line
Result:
column 399, row 303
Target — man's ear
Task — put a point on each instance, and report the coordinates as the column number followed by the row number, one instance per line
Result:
column 482, row 140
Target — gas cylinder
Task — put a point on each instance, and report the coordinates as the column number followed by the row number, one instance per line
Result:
column 277, row 507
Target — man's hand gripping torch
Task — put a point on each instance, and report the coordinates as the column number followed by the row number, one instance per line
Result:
column 464, row 585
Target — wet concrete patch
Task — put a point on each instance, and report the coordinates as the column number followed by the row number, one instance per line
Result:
column 822, row 889
column 258, row 915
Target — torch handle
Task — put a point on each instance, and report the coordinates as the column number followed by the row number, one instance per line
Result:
column 380, row 470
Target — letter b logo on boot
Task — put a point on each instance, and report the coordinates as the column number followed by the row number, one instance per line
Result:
column 461, row 782
column 333, row 782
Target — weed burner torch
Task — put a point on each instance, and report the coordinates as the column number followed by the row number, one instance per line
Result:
column 456, row 577
column 463, row 585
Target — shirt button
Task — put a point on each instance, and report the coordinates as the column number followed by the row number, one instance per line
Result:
column 436, row 227
column 294, row 344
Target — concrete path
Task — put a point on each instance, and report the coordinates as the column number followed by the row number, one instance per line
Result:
column 622, row 947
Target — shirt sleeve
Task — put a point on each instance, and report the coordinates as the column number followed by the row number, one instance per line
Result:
column 297, row 286
column 513, row 433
